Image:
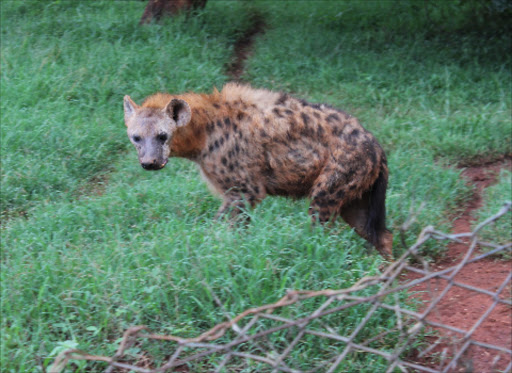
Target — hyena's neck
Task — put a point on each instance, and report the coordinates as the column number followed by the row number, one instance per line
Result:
column 190, row 140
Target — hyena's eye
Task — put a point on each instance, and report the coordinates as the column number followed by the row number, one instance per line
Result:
column 162, row 137
column 136, row 138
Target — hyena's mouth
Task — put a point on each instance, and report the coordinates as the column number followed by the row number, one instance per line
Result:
column 154, row 166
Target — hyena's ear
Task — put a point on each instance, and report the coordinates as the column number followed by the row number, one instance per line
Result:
column 179, row 111
column 129, row 108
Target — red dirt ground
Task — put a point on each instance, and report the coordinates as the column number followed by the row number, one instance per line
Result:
column 462, row 308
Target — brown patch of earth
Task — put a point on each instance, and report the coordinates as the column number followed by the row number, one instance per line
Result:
column 463, row 308
column 243, row 47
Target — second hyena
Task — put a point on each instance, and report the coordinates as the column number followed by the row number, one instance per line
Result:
column 250, row 143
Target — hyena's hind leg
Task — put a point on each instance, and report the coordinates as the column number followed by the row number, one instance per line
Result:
column 324, row 206
column 335, row 193
column 356, row 214
column 367, row 215
column 329, row 193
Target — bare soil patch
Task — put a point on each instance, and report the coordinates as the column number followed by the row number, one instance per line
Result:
column 243, row 47
column 462, row 308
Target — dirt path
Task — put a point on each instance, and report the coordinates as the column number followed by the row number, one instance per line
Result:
column 243, row 47
column 462, row 308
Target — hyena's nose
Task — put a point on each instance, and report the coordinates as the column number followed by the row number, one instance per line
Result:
column 153, row 165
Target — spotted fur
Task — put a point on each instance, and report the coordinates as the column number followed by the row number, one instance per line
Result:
column 250, row 143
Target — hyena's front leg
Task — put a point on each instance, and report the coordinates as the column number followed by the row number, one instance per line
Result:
column 234, row 203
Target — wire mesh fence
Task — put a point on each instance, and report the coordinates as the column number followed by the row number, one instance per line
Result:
column 306, row 331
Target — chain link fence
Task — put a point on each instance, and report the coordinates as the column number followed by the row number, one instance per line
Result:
column 391, row 331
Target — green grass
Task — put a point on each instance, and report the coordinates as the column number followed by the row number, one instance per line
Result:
column 92, row 244
column 65, row 69
column 499, row 232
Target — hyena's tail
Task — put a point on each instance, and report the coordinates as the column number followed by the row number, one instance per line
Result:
column 375, row 227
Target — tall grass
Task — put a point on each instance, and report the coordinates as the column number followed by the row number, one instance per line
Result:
column 499, row 232
column 92, row 244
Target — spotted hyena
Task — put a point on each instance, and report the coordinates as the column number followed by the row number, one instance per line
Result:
column 250, row 143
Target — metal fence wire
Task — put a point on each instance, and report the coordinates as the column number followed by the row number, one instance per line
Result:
column 301, row 332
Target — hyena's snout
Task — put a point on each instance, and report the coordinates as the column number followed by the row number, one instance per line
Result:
column 153, row 164
column 152, row 157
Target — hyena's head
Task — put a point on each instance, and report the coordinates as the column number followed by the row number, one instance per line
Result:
column 151, row 130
